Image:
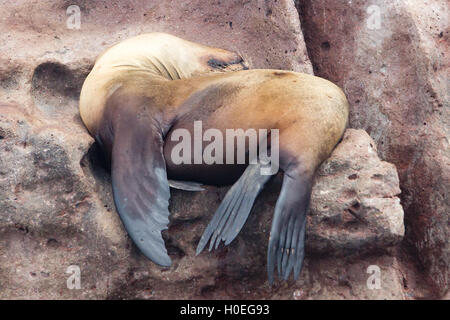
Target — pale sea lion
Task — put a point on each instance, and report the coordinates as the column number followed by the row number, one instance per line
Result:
column 144, row 88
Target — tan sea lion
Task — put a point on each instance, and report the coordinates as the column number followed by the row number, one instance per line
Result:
column 143, row 89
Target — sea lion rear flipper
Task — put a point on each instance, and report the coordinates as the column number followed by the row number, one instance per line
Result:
column 234, row 208
column 140, row 185
column 186, row 185
column 287, row 236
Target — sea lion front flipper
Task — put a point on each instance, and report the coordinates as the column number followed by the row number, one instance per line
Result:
column 287, row 236
column 140, row 185
column 234, row 208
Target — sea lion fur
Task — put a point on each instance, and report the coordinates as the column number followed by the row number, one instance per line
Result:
column 144, row 88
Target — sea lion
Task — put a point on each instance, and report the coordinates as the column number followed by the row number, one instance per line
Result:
column 143, row 89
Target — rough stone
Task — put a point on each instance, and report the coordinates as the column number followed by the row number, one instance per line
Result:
column 354, row 202
column 57, row 211
column 391, row 59
column 56, row 208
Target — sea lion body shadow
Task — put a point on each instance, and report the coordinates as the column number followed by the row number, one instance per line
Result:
column 143, row 89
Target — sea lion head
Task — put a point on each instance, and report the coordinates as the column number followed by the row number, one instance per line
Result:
column 192, row 59
column 168, row 56
column 200, row 59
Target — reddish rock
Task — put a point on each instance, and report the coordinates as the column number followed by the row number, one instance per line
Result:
column 57, row 211
column 354, row 202
column 56, row 208
column 391, row 59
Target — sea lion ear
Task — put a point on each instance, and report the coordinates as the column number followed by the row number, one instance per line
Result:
column 139, row 181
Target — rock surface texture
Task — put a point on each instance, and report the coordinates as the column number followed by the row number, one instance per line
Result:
column 56, row 206
column 392, row 60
